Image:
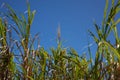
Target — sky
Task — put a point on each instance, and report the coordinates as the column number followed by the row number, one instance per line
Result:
column 75, row 17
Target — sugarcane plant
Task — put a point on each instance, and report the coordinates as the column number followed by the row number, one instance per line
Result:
column 7, row 65
column 21, row 59
column 24, row 42
column 107, row 55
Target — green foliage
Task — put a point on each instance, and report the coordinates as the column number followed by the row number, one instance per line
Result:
column 7, row 66
column 35, row 63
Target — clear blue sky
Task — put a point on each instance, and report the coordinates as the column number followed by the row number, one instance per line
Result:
column 74, row 16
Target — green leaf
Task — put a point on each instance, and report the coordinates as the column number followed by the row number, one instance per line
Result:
column 30, row 78
column 112, row 49
column 94, row 37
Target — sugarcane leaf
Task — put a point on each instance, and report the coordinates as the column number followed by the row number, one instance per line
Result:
column 105, row 15
column 94, row 37
column 112, row 49
column 30, row 77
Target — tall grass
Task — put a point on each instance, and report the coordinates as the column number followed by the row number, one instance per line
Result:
column 7, row 66
column 21, row 60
